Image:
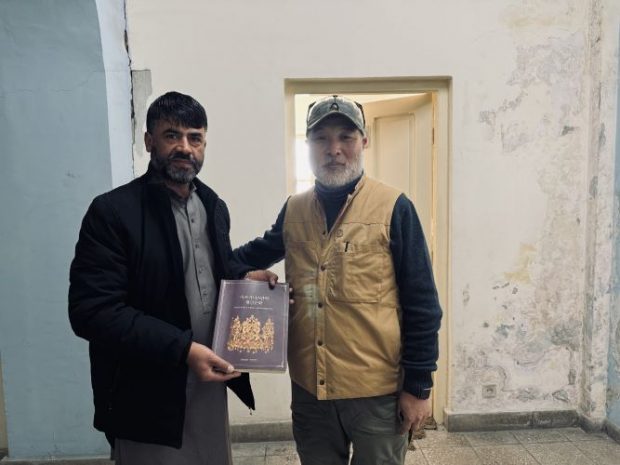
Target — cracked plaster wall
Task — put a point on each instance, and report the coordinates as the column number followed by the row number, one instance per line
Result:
column 530, row 195
column 540, row 334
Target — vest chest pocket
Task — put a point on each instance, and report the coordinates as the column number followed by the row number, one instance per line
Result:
column 356, row 272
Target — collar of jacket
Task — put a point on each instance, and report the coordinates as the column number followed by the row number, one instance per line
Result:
column 158, row 201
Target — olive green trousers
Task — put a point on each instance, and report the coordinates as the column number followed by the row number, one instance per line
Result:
column 326, row 431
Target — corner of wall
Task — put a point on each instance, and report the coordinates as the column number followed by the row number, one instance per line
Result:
column 112, row 25
column 600, row 221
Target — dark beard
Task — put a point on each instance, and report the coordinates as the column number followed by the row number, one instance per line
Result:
column 173, row 173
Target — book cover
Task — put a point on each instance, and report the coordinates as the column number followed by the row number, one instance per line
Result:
column 251, row 325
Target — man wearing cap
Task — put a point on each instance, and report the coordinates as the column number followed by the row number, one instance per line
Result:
column 363, row 328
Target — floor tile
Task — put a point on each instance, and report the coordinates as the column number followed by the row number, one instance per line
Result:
column 451, row 456
column 558, row 453
column 601, row 452
column 415, row 457
column 282, row 460
column 536, row 436
column 441, row 439
column 505, row 455
column 491, row 438
column 281, row 448
column 248, row 449
column 248, row 460
column 577, row 434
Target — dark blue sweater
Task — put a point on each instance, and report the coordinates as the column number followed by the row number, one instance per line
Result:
column 414, row 276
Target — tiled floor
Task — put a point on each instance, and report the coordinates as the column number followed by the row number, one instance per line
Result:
column 564, row 446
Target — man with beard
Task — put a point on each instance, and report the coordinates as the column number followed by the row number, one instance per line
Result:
column 143, row 292
column 363, row 328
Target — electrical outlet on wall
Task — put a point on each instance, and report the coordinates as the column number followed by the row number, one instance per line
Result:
column 489, row 391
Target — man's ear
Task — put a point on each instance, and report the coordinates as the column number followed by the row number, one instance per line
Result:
column 364, row 142
column 148, row 142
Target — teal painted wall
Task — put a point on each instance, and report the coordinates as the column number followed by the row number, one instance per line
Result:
column 55, row 157
column 613, row 383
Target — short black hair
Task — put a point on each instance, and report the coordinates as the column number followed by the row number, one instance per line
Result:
column 176, row 108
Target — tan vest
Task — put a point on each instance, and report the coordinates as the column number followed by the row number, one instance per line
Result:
column 344, row 328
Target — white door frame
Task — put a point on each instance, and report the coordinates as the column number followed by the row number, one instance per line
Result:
column 440, row 88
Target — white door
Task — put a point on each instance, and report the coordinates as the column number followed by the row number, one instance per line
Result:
column 400, row 151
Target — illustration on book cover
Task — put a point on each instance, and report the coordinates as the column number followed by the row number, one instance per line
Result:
column 252, row 325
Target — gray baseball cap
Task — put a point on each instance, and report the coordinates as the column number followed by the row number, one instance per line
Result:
column 335, row 105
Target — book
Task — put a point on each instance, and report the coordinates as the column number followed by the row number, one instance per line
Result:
column 251, row 325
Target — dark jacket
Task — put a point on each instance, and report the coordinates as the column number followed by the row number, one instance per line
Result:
column 127, row 299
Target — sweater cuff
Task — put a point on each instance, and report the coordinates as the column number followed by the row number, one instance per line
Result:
column 188, row 336
column 418, row 383
column 242, row 271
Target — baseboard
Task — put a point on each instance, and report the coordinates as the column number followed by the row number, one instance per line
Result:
column 261, row 432
column 498, row 421
column 257, row 432
column 591, row 426
column 63, row 461
column 612, row 431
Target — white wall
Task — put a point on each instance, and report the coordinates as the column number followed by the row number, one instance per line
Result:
column 530, row 209
column 112, row 26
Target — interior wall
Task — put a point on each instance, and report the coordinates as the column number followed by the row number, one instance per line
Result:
column 613, row 391
column 4, row 443
column 54, row 127
column 603, row 22
column 523, row 94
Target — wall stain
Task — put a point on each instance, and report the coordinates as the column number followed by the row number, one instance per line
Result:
column 535, row 316
column 593, row 188
column 561, row 395
column 487, row 117
column 513, row 137
column 521, row 273
column 602, row 138
column 566, row 334
column 504, row 329
column 615, row 346
column 466, row 296
column 527, row 394
column 528, row 15
column 568, row 130
column 572, row 377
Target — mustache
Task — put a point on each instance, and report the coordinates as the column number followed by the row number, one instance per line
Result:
column 185, row 157
column 181, row 156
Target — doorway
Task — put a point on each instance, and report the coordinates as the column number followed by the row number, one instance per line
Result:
column 407, row 125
